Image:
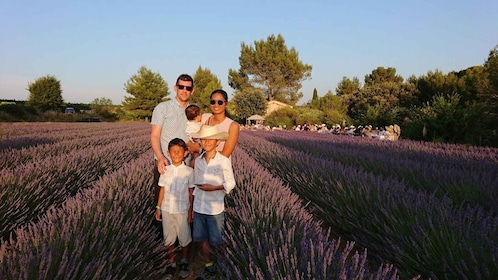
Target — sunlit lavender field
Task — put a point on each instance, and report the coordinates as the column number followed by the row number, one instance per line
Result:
column 77, row 203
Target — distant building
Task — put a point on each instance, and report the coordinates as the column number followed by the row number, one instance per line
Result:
column 274, row 105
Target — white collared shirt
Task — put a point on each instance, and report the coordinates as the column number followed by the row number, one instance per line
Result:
column 176, row 181
column 218, row 172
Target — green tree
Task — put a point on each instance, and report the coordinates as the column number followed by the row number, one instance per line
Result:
column 475, row 82
column 383, row 75
column 45, row 94
column 249, row 102
column 315, row 102
column 333, row 108
column 147, row 89
column 437, row 83
column 347, row 88
column 491, row 67
column 380, row 99
column 271, row 66
column 440, row 117
column 205, row 83
column 310, row 116
column 285, row 117
column 103, row 107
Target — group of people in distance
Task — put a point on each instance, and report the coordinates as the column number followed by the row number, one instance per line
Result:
column 193, row 174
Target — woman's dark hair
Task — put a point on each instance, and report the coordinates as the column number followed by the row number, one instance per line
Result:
column 177, row 142
column 192, row 111
column 220, row 91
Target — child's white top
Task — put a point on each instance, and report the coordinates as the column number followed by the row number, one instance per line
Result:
column 176, row 181
column 218, row 172
column 192, row 127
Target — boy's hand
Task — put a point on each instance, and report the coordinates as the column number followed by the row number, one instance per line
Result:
column 190, row 217
column 193, row 147
column 158, row 215
column 209, row 187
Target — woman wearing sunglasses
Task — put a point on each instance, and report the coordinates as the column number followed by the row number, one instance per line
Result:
column 219, row 118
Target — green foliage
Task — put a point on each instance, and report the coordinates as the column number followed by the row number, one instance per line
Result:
column 491, row 67
column 379, row 115
column 310, row 116
column 440, row 116
column 45, row 94
column 383, row 75
column 17, row 111
column 475, row 83
column 378, row 102
column 249, row 102
column 104, row 109
column 333, row 117
column 331, row 102
column 271, row 66
column 285, row 117
column 205, row 82
column 446, row 119
column 147, row 89
column 315, row 102
column 437, row 83
column 347, row 88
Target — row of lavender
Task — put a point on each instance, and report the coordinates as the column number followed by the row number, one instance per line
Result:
column 104, row 232
column 418, row 231
column 271, row 236
column 41, row 175
column 24, row 135
column 467, row 175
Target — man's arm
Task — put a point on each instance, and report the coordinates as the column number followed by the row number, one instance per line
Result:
column 155, row 141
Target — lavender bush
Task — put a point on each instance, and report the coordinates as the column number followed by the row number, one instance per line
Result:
column 416, row 231
column 28, row 190
column 103, row 232
column 271, row 235
column 87, row 214
column 467, row 175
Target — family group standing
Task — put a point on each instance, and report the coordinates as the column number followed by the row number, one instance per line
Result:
column 186, row 195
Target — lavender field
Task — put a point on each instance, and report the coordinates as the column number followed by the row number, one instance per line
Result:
column 77, row 203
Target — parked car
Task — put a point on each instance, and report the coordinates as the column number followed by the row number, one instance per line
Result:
column 69, row 110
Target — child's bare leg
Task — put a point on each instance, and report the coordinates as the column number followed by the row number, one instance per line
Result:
column 171, row 253
column 206, row 252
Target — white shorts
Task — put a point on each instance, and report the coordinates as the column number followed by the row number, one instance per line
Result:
column 176, row 226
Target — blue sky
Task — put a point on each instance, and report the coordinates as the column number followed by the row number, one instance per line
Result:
column 94, row 47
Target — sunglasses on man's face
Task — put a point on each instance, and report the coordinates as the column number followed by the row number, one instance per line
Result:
column 182, row 87
column 220, row 102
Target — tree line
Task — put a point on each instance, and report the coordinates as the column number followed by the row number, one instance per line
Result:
column 456, row 107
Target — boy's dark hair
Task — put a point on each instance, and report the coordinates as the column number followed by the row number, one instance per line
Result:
column 185, row 77
column 192, row 111
column 177, row 142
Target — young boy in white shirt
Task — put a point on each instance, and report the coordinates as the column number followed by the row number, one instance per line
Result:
column 174, row 206
column 213, row 179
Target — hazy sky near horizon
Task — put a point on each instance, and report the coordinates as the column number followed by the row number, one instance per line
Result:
column 94, row 47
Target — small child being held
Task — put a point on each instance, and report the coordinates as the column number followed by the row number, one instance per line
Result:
column 174, row 206
column 193, row 113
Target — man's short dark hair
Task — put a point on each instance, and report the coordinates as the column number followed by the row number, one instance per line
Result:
column 185, row 77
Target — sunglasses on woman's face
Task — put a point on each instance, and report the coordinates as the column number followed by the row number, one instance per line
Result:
column 220, row 102
column 182, row 87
